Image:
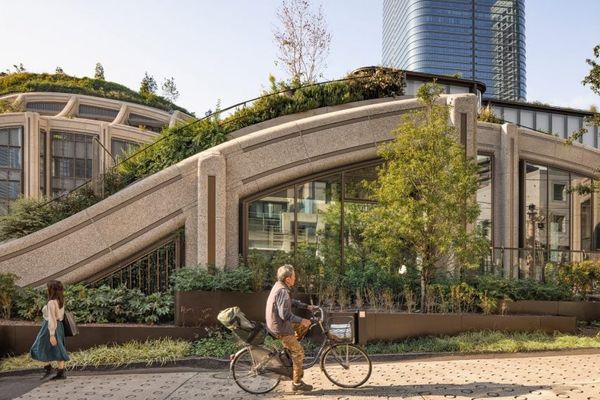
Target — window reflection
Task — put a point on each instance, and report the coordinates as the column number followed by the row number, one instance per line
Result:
column 484, row 197
column 11, row 166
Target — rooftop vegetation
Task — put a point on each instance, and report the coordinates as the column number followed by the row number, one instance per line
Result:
column 177, row 143
column 22, row 82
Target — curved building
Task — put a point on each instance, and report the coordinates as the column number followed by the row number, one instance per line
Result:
column 439, row 37
column 61, row 140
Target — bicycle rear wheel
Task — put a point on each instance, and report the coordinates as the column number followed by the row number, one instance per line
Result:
column 250, row 375
column 346, row 365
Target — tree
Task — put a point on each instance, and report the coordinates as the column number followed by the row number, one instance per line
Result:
column 426, row 194
column 59, row 71
column 148, row 85
column 593, row 79
column 169, row 90
column 302, row 40
column 99, row 71
column 19, row 67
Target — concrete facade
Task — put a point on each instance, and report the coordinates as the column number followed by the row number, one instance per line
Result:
column 104, row 120
column 259, row 158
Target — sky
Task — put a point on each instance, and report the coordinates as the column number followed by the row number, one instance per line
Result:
column 223, row 50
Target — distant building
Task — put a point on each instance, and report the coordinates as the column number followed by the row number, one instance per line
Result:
column 438, row 37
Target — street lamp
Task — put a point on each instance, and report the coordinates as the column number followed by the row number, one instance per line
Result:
column 532, row 215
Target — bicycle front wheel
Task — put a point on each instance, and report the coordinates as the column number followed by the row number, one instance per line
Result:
column 346, row 365
column 250, row 374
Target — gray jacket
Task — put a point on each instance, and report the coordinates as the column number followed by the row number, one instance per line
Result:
column 278, row 312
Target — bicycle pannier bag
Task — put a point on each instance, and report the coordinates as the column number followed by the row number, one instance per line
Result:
column 250, row 332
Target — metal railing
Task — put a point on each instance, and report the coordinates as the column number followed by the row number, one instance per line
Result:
column 540, row 264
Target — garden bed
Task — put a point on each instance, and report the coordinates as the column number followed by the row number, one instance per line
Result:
column 582, row 310
column 386, row 326
column 18, row 336
column 200, row 308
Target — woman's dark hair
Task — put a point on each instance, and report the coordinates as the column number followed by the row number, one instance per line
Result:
column 56, row 292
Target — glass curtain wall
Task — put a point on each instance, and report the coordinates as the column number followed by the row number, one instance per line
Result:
column 312, row 223
column 485, row 197
column 557, row 217
column 72, row 160
column 11, row 166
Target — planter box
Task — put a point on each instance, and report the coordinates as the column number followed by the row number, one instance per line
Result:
column 199, row 308
column 17, row 338
column 374, row 326
column 582, row 310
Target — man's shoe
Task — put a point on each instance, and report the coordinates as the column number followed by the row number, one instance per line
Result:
column 60, row 374
column 47, row 372
column 301, row 387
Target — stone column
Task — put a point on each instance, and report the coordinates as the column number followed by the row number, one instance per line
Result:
column 211, row 210
column 506, row 197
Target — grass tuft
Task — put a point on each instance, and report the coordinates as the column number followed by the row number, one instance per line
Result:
column 159, row 351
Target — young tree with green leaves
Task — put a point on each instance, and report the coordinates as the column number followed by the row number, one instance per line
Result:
column 593, row 80
column 148, row 85
column 99, row 71
column 169, row 90
column 426, row 194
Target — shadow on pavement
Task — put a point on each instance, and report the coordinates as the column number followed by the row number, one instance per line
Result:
column 470, row 390
column 15, row 386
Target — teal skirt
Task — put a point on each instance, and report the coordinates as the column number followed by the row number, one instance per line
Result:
column 42, row 350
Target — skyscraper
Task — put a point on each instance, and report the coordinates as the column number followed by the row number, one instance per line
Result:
column 439, row 37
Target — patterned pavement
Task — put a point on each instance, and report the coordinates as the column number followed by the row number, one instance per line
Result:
column 574, row 377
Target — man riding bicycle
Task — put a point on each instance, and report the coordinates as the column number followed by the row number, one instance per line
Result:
column 286, row 326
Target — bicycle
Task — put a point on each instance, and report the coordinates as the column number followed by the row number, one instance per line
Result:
column 257, row 369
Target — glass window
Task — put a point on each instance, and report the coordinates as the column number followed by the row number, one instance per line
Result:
column 589, row 138
column 510, row 115
column 42, row 145
column 484, row 197
column 270, row 222
column 581, row 199
column 120, row 147
column 558, row 213
column 356, row 183
column 72, row 160
column 303, row 223
column 573, row 125
column 558, row 125
column 527, row 119
column 317, row 223
column 11, row 168
column 542, row 123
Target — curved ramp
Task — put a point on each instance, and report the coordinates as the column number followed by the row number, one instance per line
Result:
column 201, row 194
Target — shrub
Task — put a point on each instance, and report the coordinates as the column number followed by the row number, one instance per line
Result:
column 30, row 82
column 582, row 277
column 7, row 290
column 487, row 115
column 99, row 305
column 200, row 278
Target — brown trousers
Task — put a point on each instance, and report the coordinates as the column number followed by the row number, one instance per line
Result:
column 296, row 350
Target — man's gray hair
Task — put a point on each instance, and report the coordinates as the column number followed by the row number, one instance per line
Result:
column 284, row 271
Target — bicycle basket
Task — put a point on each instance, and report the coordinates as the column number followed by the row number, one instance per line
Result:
column 341, row 329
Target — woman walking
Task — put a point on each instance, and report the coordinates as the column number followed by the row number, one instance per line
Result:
column 49, row 344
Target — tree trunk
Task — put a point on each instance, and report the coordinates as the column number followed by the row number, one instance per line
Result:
column 423, row 292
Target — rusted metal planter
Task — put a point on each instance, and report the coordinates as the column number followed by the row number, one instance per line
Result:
column 375, row 326
column 198, row 308
column 582, row 310
column 17, row 337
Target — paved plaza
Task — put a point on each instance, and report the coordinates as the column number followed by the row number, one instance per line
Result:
column 539, row 377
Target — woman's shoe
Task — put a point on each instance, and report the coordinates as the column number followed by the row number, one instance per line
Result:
column 60, row 374
column 47, row 372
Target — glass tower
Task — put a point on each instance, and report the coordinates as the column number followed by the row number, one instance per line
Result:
column 439, row 37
